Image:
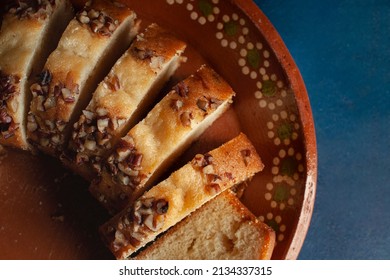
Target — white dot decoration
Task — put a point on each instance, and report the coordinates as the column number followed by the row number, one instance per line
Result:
column 253, row 75
column 241, row 62
column 262, row 103
column 275, row 222
column 245, row 70
column 194, row 15
column 284, row 126
column 202, row 20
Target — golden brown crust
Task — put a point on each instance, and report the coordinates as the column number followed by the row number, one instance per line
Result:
column 156, row 42
column 65, row 83
column 131, row 85
column 182, row 193
column 269, row 242
column 23, row 45
column 181, row 116
column 213, row 232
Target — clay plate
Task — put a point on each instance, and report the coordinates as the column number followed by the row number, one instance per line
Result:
column 46, row 212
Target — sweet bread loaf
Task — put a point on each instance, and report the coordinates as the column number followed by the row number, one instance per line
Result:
column 187, row 189
column 129, row 88
column 90, row 45
column 222, row 229
column 30, row 30
column 152, row 145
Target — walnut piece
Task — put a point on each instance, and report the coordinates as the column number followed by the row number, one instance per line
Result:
column 145, row 216
column 98, row 21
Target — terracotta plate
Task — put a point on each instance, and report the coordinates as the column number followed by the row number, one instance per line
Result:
column 47, row 213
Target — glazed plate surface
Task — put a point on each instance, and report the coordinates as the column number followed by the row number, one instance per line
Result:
column 46, row 212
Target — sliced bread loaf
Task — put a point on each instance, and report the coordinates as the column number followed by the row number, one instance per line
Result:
column 88, row 48
column 30, row 30
column 187, row 189
column 222, row 229
column 129, row 88
column 152, row 145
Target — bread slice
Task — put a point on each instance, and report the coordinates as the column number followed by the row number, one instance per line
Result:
column 90, row 45
column 28, row 34
column 129, row 88
column 222, row 229
column 152, row 145
column 183, row 192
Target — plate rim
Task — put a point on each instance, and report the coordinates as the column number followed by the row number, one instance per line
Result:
column 273, row 38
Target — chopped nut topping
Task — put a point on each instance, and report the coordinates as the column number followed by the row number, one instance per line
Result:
column 203, row 104
column 31, row 123
column 161, row 206
column 67, row 95
column 213, row 188
column 98, row 21
column 181, row 89
column 245, row 155
column 146, row 215
column 50, row 103
column 126, row 163
column 157, row 62
column 88, row 114
column 143, row 53
column 101, row 111
column 80, row 158
column 229, row 175
column 8, row 89
column 215, row 103
column 239, row 189
column 90, row 145
column 208, row 169
column 39, row 9
column 202, row 160
column 41, row 91
column 112, row 83
column 5, row 118
column 205, row 163
column 102, row 124
column 60, row 125
column 176, row 104
column 186, row 118
column 213, row 178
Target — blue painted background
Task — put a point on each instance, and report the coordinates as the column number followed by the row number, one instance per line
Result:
column 342, row 48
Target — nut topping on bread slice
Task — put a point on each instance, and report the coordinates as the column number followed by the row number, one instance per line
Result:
column 129, row 88
column 90, row 45
column 155, row 142
column 187, row 189
column 30, row 30
column 222, row 229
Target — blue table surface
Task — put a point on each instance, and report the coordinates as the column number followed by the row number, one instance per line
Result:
column 342, row 48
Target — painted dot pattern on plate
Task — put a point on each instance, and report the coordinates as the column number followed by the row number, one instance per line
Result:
column 272, row 93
